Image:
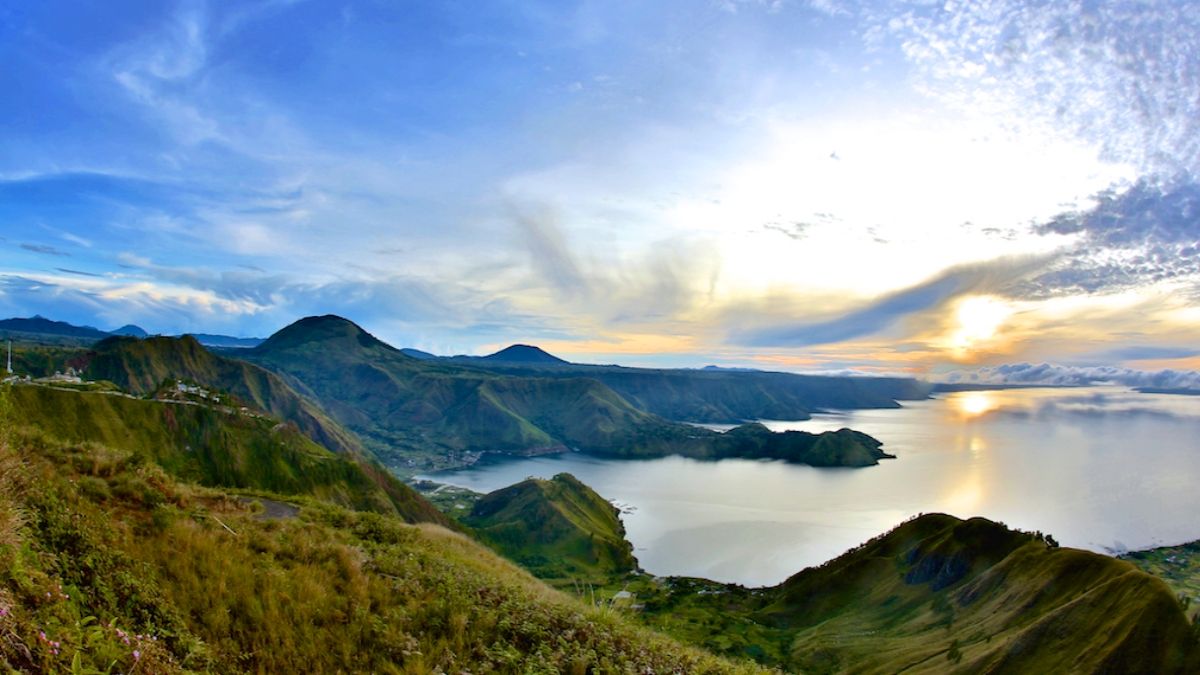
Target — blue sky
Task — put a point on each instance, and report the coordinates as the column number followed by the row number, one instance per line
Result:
column 891, row 186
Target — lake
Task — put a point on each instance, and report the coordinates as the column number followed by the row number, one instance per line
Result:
column 1101, row 468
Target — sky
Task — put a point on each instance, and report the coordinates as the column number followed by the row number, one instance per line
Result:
column 947, row 189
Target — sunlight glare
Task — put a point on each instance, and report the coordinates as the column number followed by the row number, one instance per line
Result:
column 979, row 320
column 974, row 404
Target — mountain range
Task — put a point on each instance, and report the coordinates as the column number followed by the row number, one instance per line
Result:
column 42, row 327
column 424, row 413
column 708, row 395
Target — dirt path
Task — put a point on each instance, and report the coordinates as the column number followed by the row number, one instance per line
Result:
column 273, row 510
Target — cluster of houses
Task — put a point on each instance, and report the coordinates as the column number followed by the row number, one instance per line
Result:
column 71, row 376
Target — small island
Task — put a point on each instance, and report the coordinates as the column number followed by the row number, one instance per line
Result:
column 841, row 448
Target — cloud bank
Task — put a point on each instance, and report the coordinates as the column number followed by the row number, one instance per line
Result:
column 1059, row 375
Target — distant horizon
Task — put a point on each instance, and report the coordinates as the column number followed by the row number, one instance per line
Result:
column 1009, row 374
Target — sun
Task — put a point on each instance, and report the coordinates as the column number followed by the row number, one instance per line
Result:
column 979, row 319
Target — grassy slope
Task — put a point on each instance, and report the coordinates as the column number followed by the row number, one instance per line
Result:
column 558, row 529
column 107, row 564
column 141, row 367
column 213, row 447
column 1178, row 566
column 939, row 594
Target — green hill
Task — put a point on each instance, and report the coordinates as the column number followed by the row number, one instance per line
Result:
column 558, row 529
column 217, row 446
column 141, row 366
column 108, row 564
column 939, row 594
column 416, row 413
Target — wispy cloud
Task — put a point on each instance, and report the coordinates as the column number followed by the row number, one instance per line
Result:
column 151, row 69
column 78, row 272
column 548, row 251
column 894, row 307
column 44, row 249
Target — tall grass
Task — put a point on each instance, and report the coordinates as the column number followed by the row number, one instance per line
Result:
column 124, row 569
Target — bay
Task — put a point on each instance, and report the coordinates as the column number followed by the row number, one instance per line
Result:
column 1101, row 468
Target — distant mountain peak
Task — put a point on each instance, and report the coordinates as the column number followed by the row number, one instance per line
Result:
column 131, row 330
column 324, row 328
column 525, row 354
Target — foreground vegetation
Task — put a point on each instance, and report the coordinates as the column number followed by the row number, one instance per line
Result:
column 107, row 564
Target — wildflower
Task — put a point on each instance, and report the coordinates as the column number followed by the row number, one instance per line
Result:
column 137, row 655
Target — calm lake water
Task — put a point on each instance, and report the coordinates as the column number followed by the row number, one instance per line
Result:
column 1101, row 468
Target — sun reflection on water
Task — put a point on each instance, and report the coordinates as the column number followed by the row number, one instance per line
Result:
column 974, row 403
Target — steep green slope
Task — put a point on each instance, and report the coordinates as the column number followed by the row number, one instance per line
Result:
column 423, row 414
column 217, row 447
column 558, row 529
column 108, row 565
column 939, row 594
column 142, row 366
